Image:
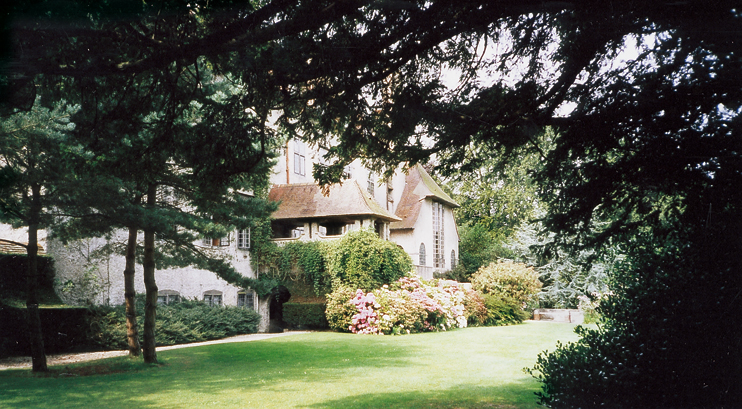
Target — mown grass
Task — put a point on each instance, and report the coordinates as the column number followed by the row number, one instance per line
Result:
column 469, row 368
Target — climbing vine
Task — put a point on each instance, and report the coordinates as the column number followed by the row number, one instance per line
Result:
column 360, row 259
column 297, row 262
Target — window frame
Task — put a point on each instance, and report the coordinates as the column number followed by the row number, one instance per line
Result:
column 243, row 239
column 300, row 158
column 248, row 295
column 171, row 297
column 439, row 248
column 211, row 295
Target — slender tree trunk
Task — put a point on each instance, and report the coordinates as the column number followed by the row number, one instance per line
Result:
column 132, row 331
column 150, row 306
column 35, row 334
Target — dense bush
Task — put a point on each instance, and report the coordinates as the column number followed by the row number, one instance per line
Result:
column 64, row 329
column 503, row 311
column 669, row 339
column 508, row 280
column 13, row 281
column 339, row 310
column 183, row 322
column 411, row 305
column 362, row 260
column 480, row 245
column 408, row 305
column 475, row 310
column 305, row 315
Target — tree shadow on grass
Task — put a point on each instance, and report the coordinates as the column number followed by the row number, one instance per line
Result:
column 514, row 395
column 210, row 371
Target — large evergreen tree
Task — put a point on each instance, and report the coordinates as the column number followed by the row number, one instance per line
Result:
column 35, row 179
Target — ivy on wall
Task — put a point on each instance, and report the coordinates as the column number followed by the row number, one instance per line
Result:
column 300, row 262
column 359, row 259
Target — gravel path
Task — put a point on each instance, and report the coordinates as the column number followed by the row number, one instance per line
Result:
column 62, row 359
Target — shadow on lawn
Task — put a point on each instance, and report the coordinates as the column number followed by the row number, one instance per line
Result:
column 209, row 371
column 510, row 396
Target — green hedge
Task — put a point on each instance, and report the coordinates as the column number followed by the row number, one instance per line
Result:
column 64, row 329
column 305, row 316
column 183, row 322
column 13, row 281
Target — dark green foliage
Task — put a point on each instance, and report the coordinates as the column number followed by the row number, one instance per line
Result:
column 478, row 247
column 297, row 262
column 13, row 278
column 305, row 315
column 65, row 330
column 503, row 311
column 183, row 322
column 311, row 258
column 362, row 260
column 664, row 343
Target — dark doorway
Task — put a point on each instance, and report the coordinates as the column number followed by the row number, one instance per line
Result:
column 279, row 296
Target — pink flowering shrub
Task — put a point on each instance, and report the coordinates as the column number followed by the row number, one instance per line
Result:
column 339, row 311
column 409, row 305
column 475, row 308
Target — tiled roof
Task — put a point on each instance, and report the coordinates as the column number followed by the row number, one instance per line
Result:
column 418, row 186
column 306, row 201
column 9, row 247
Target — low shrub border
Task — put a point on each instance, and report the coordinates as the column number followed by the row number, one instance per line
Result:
column 183, row 322
column 412, row 305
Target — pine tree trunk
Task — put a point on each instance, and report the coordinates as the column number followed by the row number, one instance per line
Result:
column 35, row 334
column 150, row 306
column 132, row 331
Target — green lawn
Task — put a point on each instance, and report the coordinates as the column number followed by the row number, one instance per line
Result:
column 468, row 368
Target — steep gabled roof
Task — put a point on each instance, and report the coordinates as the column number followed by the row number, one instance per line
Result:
column 418, row 186
column 306, row 201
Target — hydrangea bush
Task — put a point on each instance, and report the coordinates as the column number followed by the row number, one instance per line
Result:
column 409, row 305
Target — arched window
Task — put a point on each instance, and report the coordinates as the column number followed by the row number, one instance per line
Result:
column 422, row 254
column 453, row 259
column 213, row 298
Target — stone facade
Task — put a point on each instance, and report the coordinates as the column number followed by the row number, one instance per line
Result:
column 409, row 209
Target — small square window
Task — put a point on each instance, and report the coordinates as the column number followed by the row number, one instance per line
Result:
column 167, row 297
column 213, row 300
column 246, row 299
